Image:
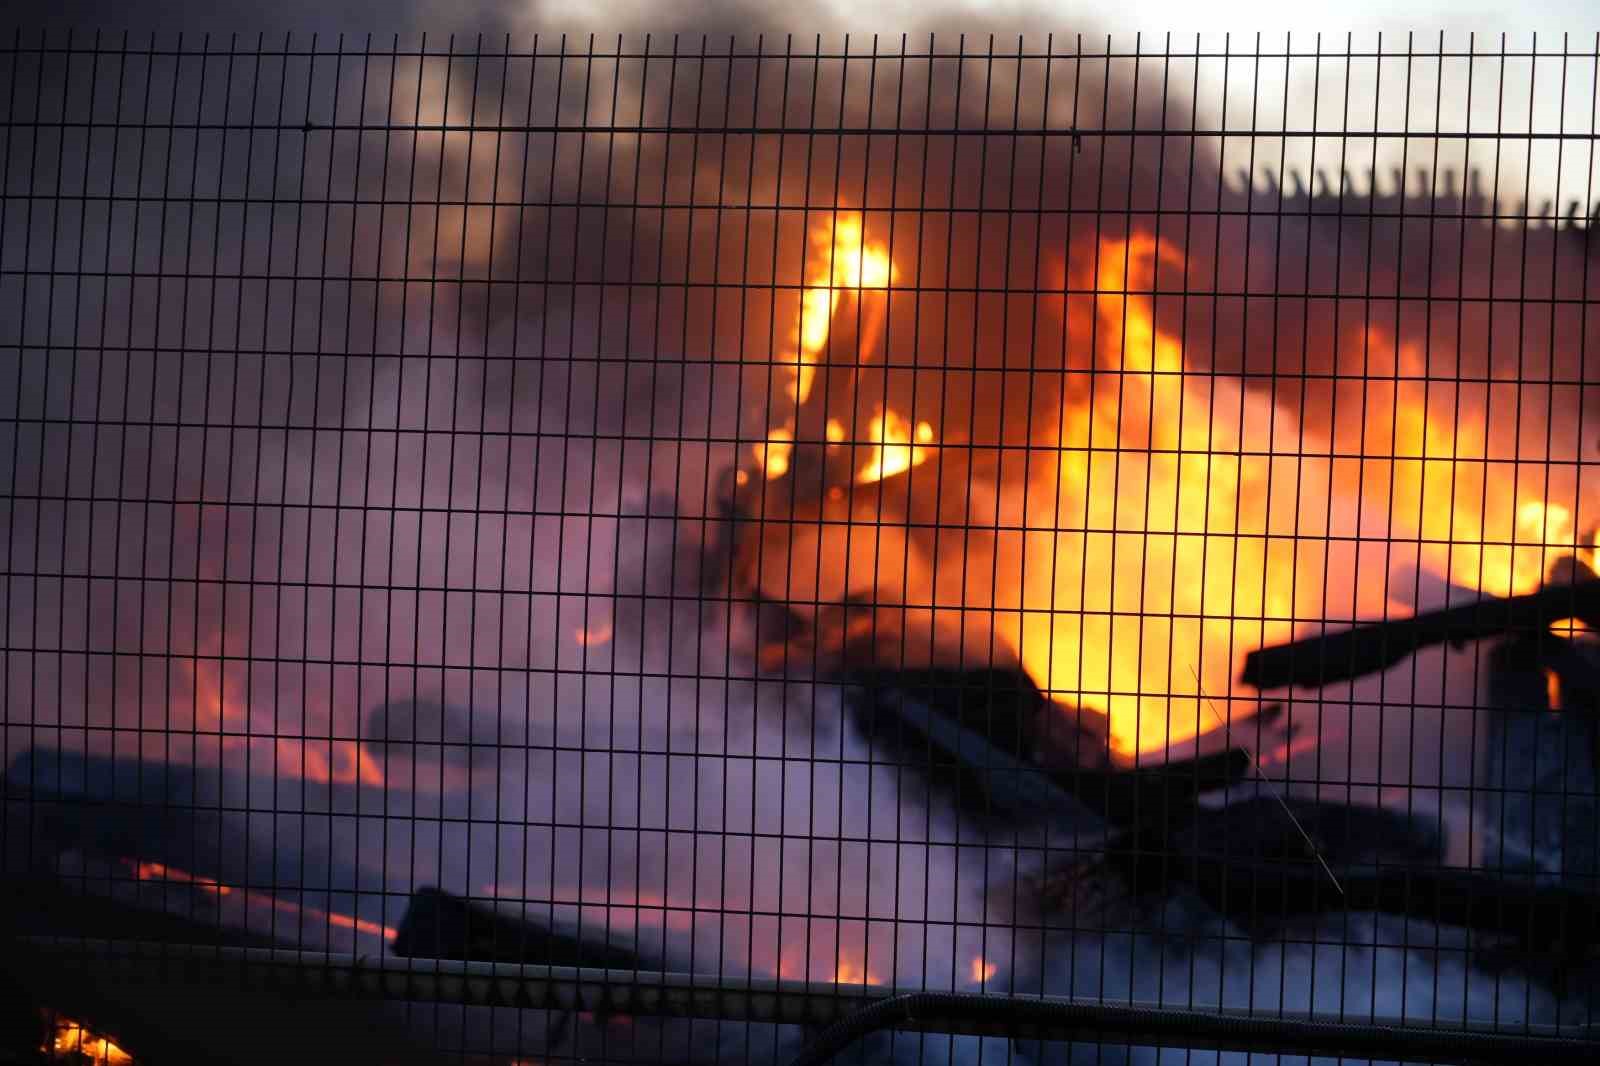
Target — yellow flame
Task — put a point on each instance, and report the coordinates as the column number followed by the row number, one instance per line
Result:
column 892, row 450
column 1176, row 558
column 1155, row 591
column 847, row 264
column 1195, row 519
column 773, row 455
column 1485, row 530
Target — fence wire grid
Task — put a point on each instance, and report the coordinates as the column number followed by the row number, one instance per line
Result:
column 766, row 550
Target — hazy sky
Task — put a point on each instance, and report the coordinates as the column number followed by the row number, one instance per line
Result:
column 886, row 16
column 1500, row 92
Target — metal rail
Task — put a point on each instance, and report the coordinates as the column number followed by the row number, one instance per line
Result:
column 845, row 1012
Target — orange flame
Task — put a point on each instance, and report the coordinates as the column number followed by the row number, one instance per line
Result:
column 851, row 972
column 219, row 705
column 1196, row 519
column 73, row 1041
column 983, row 971
column 1190, row 543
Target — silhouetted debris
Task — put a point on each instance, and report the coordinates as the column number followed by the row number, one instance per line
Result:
column 194, row 819
column 427, row 734
column 1540, row 802
column 993, row 739
column 53, row 906
column 59, row 801
column 438, row 925
column 1251, row 863
column 1376, row 646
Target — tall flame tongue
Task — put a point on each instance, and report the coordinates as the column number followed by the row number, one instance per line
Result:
column 1167, row 558
column 1193, row 519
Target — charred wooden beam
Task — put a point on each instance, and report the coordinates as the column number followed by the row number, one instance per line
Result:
column 993, row 735
column 52, row 906
column 1376, row 646
column 439, row 925
column 1252, row 862
column 191, row 818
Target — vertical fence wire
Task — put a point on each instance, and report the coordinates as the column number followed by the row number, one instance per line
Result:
column 870, row 515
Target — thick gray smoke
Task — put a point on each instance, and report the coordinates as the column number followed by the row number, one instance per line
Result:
column 395, row 457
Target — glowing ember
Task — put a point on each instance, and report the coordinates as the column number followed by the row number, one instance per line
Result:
column 220, row 704
column 892, row 451
column 1552, row 689
column 71, row 1041
column 983, row 971
column 1285, row 752
column 155, row 871
column 346, row 921
column 773, row 456
column 593, row 636
column 850, row 972
column 315, row 915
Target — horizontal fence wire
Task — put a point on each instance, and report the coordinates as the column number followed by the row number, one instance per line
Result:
column 798, row 549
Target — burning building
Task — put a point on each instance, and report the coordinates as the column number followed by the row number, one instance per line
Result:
column 800, row 512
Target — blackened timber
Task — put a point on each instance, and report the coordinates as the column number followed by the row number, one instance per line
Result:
column 53, row 801
column 1376, row 646
column 439, row 925
column 995, row 736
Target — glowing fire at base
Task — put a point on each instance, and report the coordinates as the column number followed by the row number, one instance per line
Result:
column 1190, row 519
column 1166, row 567
column 72, row 1041
column 853, row 973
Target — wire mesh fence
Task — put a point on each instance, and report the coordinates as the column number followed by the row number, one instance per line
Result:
column 766, row 550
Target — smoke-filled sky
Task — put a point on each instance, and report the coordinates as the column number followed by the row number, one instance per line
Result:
column 891, row 16
column 1501, row 91
column 717, row 869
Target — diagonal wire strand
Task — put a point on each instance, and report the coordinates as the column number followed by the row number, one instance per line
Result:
column 1255, row 769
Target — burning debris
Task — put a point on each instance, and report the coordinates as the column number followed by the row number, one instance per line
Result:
column 992, row 504
column 72, row 1042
